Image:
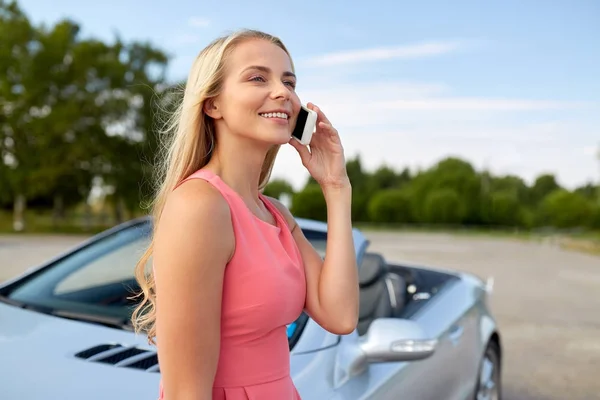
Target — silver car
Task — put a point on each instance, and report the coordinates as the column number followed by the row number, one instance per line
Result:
column 423, row 334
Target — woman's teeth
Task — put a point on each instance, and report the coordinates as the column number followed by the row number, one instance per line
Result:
column 274, row 115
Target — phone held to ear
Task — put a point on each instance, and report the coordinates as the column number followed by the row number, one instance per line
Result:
column 305, row 125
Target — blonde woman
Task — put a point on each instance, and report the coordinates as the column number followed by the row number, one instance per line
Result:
column 230, row 266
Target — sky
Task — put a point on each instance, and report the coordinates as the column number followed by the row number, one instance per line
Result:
column 511, row 86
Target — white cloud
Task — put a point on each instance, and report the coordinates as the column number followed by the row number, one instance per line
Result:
column 389, row 104
column 592, row 151
column 381, row 91
column 185, row 39
column 412, row 51
column 198, row 22
column 477, row 104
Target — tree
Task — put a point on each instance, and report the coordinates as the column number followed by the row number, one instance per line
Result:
column 276, row 187
column 309, row 203
column 390, row 206
column 132, row 151
column 384, row 178
column 564, row 209
column 443, row 206
column 542, row 187
column 514, row 185
column 594, row 222
column 20, row 152
column 506, row 210
column 588, row 191
column 449, row 178
column 75, row 110
column 360, row 189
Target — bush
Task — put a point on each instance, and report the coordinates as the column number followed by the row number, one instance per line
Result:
column 309, row 203
column 595, row 220
column 564, row 209
column 390, row 206
column 443, row 206
column 505, row 210
column 277, row 187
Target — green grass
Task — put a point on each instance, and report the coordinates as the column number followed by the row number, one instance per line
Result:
column 452, row 229
column 42, row 223
column 590, row 244
column 584, row 241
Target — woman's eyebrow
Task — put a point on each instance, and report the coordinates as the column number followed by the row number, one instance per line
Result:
column 268, row 70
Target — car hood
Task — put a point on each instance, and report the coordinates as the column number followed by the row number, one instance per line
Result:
column 39, row 361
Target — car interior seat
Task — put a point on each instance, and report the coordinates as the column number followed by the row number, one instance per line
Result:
column 382, row 293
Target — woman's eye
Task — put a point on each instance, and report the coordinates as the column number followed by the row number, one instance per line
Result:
column 291, row 84
column 257, row 79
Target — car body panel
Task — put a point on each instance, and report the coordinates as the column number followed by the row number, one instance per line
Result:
column 448, row 373
column 41, row 363
column 312, row 373
column 314, row 337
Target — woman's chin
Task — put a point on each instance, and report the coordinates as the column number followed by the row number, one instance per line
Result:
column 270, row 137
column 278, row 139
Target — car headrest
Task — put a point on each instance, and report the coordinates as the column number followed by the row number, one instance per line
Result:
column 371, row 269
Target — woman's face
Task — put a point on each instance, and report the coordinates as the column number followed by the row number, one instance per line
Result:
column 258, row 100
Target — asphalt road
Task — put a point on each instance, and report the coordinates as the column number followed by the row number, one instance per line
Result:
column 547, row 301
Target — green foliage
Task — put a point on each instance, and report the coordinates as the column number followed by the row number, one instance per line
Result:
column 506, row 209
column 450, row 181
column 564, row 209
column 277, row 187
column 390, row 206
column 76, row 111
column 543, row 186
column 595, row 221
column 309, row 203
column 453, row 193
column 443, row 206
column 514, row 186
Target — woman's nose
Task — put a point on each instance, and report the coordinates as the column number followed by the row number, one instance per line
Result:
column 280, row 91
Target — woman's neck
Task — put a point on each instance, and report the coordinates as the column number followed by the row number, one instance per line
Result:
column 239, row 165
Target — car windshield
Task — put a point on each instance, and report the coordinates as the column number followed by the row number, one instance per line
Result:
column 96, row 283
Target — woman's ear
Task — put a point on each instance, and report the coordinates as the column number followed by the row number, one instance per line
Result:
column 211, row 109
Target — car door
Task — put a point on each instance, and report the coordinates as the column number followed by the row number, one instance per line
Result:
column 450, row 373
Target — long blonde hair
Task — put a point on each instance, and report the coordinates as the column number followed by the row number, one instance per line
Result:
column 189, row 140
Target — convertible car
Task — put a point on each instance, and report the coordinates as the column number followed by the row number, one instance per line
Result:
column 423, row 333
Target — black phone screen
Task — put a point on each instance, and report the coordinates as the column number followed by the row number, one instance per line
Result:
column 300, row 124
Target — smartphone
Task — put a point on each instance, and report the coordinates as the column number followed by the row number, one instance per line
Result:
column 305, row 125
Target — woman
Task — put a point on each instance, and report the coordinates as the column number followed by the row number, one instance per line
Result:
column 231, row 268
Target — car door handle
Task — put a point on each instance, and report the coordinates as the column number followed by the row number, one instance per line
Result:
column 456, row 333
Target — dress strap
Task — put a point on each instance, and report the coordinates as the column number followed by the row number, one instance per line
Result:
column 213, row 179
column 236, row 203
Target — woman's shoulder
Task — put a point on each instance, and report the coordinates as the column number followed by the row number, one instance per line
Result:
column 198, row 197
column 196, row 217
column 199, row 205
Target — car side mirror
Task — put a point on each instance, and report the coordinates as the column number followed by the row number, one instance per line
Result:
column 386, row 340
column 394, row 340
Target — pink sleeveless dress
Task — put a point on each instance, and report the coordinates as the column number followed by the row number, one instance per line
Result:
column 264, row 289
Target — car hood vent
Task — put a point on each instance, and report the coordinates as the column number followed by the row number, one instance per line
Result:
column 121, row 356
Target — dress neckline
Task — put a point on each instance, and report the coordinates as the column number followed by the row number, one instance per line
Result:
column 261, row 197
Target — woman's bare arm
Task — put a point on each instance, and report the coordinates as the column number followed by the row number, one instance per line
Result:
column 194, row 242
column 332, row 284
